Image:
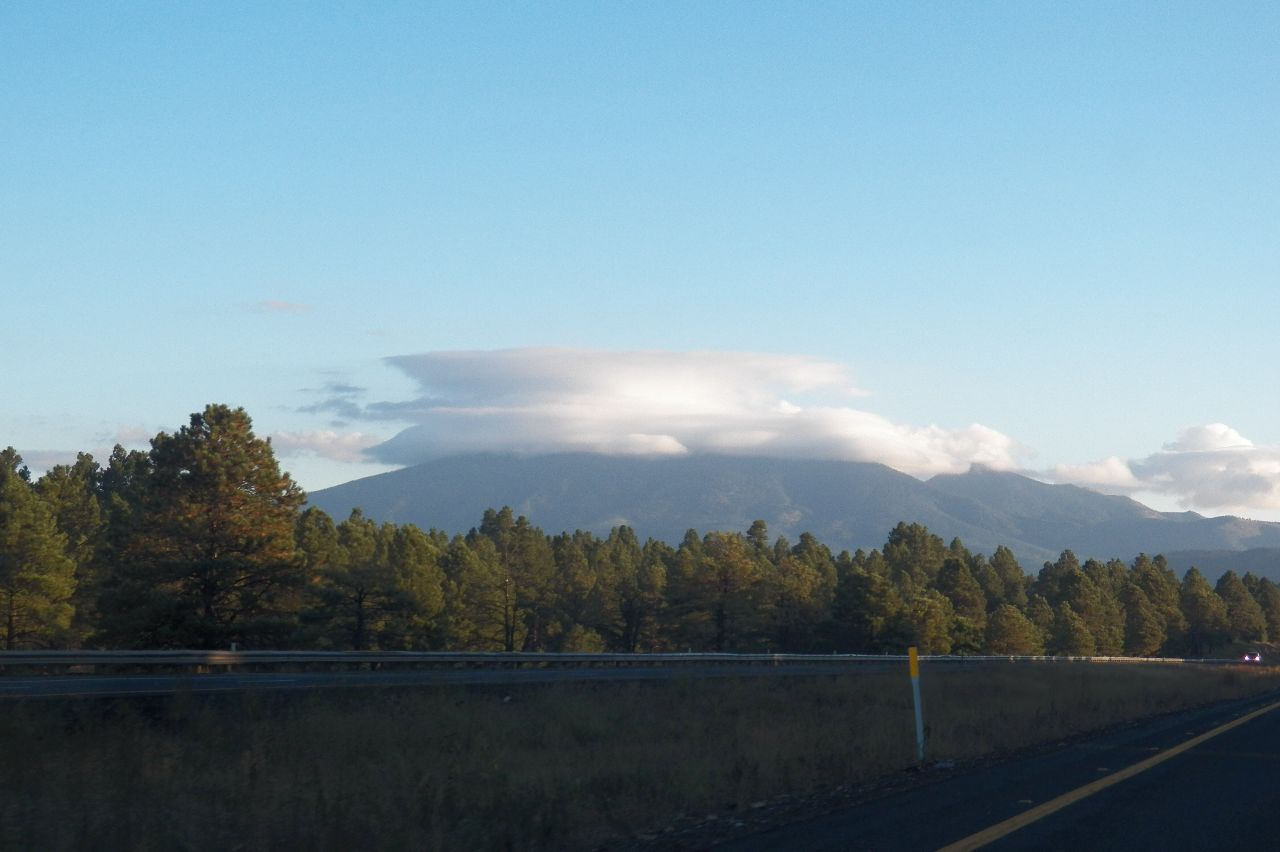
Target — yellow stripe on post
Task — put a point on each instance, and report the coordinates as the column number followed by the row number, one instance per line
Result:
column 913, row 662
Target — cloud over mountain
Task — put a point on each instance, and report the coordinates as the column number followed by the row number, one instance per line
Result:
column 1209, row 467
column 540, row 400
column 327, row 444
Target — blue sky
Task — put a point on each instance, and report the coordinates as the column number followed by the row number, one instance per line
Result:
column 1040, row 236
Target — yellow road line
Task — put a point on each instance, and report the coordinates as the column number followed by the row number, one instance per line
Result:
column 1000, row 829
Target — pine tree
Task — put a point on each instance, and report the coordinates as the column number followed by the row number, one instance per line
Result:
column 479, row 612
column 1144, row 632
column 37, row 577
column 868, row 612
column 585, row 581
column 931, row 617
column 1268, row 597
column 1070, row 636
column 1012, row 577
column 356, row 591
column 1245, row 620
column 205, row 556
column 1048, row 583
column 913, row 556
column 1099, row 609
column 527, row 564
column 1161, row 587
column 797, row 603
column 1011, row 632
column 731, row 590
column 1040, row 613
column 72, row 492
column 956, row 581
column 414, row 616
column 1205, row 612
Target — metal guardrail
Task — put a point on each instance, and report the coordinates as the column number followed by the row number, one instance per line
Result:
column 277, row 660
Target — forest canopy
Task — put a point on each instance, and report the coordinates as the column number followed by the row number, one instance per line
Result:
column 203, row 541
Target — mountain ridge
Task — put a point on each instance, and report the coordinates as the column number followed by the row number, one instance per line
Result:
column 847, row 505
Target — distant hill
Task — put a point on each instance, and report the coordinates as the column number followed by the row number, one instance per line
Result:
column 845, row 504
column 1263, row 561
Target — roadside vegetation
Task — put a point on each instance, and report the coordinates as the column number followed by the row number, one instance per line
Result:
column 560, row 766
column 203, row 541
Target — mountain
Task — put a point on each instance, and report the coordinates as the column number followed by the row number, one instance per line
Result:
column 1016, row 507
column 845, row 504
column 1263, row 561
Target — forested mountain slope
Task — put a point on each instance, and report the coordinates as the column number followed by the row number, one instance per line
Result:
column 845, row 504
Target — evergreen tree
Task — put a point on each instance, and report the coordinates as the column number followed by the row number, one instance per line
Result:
column 956, row 581
column 644, row 596
column 1011, row 632
column 1048, row 583
column 479, row 612
column 206, row 557
column 992, row 587
column 1108, row 578
column 414, row 618
column 527, row 566
column 685, row 615
column 1161, row 587
column 758, row 536
column 931, row 617
column 1268, row 597
column 798, row 603
column 1070, row 635
column 1099, row 609
column 867, row 612
column 1245, row 620
column 72, row 492
column 37, row 577
column 1013, row 579
column 1205, row 612
column 913, row 556
column 584, row 580
column 731, row 592
column 356, row 590
column 316, row 538
column 1040, row 613
column 1144, row 632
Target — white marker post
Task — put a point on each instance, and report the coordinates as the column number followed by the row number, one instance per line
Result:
column 913, row 660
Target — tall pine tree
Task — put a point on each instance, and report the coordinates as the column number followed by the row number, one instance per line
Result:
column 208, row 557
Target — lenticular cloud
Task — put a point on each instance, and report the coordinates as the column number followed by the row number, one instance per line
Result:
column 546, row 400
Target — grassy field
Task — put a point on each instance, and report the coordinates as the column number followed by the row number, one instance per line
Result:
column 537, row 767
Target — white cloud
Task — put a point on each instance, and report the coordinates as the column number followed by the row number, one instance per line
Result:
column 650, row 402
column 1112, row 474
column 1211, row 467
column 1208, row 438
column 335, row 446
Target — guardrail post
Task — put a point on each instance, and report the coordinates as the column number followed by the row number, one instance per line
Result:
column 913, row 664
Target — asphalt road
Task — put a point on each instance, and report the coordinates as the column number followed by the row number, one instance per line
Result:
column 107, row 686
column 1223, row 793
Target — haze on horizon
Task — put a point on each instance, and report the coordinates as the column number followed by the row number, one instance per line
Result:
column 1039, row 238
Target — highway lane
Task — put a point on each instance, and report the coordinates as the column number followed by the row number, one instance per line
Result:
column 118, row 685
column 1221, row 794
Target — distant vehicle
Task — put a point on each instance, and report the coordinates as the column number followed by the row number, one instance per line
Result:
column 1252, row 657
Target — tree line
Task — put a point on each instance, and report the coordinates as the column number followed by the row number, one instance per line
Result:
column 202, row 541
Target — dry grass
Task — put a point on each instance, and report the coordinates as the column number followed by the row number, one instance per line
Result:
column 554, row 767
